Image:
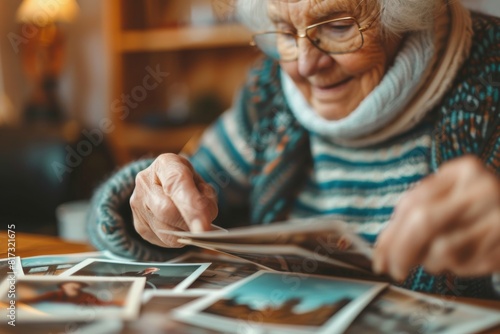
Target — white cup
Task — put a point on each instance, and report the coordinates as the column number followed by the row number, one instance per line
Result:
column 71, row 220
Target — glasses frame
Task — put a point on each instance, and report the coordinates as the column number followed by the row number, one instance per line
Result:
column 305, row 35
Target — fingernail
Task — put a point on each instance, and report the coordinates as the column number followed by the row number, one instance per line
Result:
column 197, row 226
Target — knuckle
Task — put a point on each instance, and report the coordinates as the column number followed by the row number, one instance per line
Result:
column 141, row 179
column 133, row 200
column 209, row 192
column 165, row 209
column 407, row 200
column 166, row 158
column 419, row 217
column 174, row 178
column 471, row 166
column 172, row 160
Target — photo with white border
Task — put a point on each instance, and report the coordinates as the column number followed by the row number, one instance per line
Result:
column 159, row 275
column 10, row 266
column 52, row 299
column 275, row 302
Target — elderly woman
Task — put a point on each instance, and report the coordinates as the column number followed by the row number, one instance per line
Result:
column 383, row 114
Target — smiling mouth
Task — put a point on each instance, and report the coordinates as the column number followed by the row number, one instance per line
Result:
column 338, row 84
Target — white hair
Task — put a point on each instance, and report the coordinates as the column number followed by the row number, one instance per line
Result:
column 400, row 16
column 397, row 16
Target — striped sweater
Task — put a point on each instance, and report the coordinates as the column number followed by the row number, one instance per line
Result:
column 266, row 167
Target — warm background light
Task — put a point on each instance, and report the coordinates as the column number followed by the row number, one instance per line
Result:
column 6, row 114
column 43, row 12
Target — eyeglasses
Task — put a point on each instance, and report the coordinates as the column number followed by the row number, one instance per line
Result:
column 337, row 36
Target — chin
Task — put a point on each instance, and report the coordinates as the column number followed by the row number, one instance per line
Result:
column 332, row 111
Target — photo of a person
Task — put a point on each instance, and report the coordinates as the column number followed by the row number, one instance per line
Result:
column 48, row 299
column 70, row 292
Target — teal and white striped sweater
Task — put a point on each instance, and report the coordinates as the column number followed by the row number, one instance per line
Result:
column 362, row 186
column 267, row 167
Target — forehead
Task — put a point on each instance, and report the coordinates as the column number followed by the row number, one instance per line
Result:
column 312, row 10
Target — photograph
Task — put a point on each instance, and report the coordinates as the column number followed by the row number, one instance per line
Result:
column 53, row 265
column 159, row 276
column 41, row 298
column 282, row 302
column 155, row 313
column 223, row 270
column 290, row 258
column 10, row 266
column 402, row 311
column 330, row 241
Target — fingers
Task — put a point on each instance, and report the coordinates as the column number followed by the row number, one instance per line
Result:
column 195, row 202
column 413, row 232
column 143, row 217
column 473, row 251
column 170, row 196
column 443, row 223
column 415, row 220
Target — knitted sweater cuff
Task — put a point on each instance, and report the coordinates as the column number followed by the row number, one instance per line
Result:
column 110, row 224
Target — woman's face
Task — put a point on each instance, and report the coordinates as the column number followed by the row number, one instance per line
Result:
column 334, row 85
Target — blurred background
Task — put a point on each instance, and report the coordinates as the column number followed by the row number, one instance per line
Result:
column 89, row 85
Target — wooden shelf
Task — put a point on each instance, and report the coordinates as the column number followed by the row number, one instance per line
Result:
column 195, row 37
column 143, row 139
column 206, row 60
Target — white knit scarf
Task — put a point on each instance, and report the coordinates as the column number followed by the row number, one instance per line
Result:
column 422, row 72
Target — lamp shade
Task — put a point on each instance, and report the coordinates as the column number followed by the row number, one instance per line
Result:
column 43, row 12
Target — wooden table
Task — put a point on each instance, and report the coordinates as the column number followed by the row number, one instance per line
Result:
column 33, row 245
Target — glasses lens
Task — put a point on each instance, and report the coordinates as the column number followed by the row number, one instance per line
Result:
column 338, row 36
column 278, row 45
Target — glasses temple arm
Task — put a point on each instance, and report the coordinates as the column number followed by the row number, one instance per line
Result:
column 366, row 27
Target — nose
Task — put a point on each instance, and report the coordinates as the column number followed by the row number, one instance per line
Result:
column 310, row 59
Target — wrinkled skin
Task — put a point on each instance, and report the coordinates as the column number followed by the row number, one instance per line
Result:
column 449, row 222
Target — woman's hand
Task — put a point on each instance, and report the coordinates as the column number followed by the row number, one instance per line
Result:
column 449, row 222
column 170, row 196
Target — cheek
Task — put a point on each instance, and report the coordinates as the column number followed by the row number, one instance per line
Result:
column 291, row 69
column 363, row 62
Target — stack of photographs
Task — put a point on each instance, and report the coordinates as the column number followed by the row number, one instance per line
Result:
column 210, row 292
column 313, row 246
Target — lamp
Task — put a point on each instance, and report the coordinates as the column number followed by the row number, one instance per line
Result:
column 43, row 53
column 6, row 114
